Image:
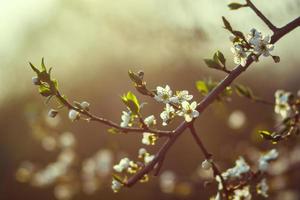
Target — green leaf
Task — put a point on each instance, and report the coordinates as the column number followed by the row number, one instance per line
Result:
column 276, row 59
column 34, row 68
column 212, row 64
column 221, row 57
column 244, row 91
column 45, row 91
column 227, row 24
column 238, row 34
column 43, row 65
column 235, row 6
column 113, row 131
column 131, row 102
column 202, row 87
column 266, row 135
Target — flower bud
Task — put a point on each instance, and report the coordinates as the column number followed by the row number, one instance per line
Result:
column 85, row 105
column 36, row 80
column 206, row 164
column 52, row 113
column 74, row 115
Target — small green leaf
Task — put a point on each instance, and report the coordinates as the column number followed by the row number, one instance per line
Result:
column 276, row 59
column 45, row 91
column 34, row 68
column 202, row 87
column 227, row 24
column 212, row 64
column 113, row 131
column 235, row 6
column 238, row 34
column 43, row 65
column 221, row 57
column 266, row 135
column 131, row 102
column 244, row 91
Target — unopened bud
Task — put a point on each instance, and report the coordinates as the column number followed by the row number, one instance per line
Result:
column 52, row 113
column 206, row 164
column 36, row 80
column 85, row 105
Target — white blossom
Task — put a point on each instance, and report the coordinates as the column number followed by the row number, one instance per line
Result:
column 150, row 120
column 163, row 94
column 242, row 194
column 74, row 115
column 188, row 111
column 240, row 56
column 264, row 160
column 167, row 114
column 261, row 44
column 262, row 188
column 126, row 118
column 116, row 185
column 181, row 96
column 123, row 164
column 240, row 168
column 282, row 106
column 148, row 158
column 85, row 105
column 264, row 47
column 149, row 138
column 142, row 152
column 254, row 37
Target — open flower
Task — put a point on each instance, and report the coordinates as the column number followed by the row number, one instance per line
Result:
column 240, row 56
column 167, row 114
column 263, row 46
column 181, row 96
column 150, row 121
column 188, row 111
column 74, row 115
column 123, row 164
column 149, row 138
column 126, row 118
column 254, row 37
column 163, row 94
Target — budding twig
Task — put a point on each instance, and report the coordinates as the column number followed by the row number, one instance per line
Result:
column 107, row 122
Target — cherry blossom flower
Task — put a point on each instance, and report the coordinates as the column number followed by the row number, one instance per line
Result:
column 126, row 118
column 167, row 114
column 123, row 164
column 163, row 94
column 240, row 56
column 149, row 138
column 188, row 111
column 181, row 96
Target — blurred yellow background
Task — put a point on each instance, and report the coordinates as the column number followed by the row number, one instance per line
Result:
column 91, row 45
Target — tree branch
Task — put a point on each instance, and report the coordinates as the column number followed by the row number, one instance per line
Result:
column 261, row 16
column 107, row 122
column 208, row 157
column 211, row 97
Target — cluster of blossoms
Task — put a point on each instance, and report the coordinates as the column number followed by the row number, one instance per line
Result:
column 176, row 105
column 239, row 177
column 254, row 43
column 129, row 167
column 74, row 114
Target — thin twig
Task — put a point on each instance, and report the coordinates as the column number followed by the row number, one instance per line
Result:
column 107, row 122
column 262, row 16
column 208, row 156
